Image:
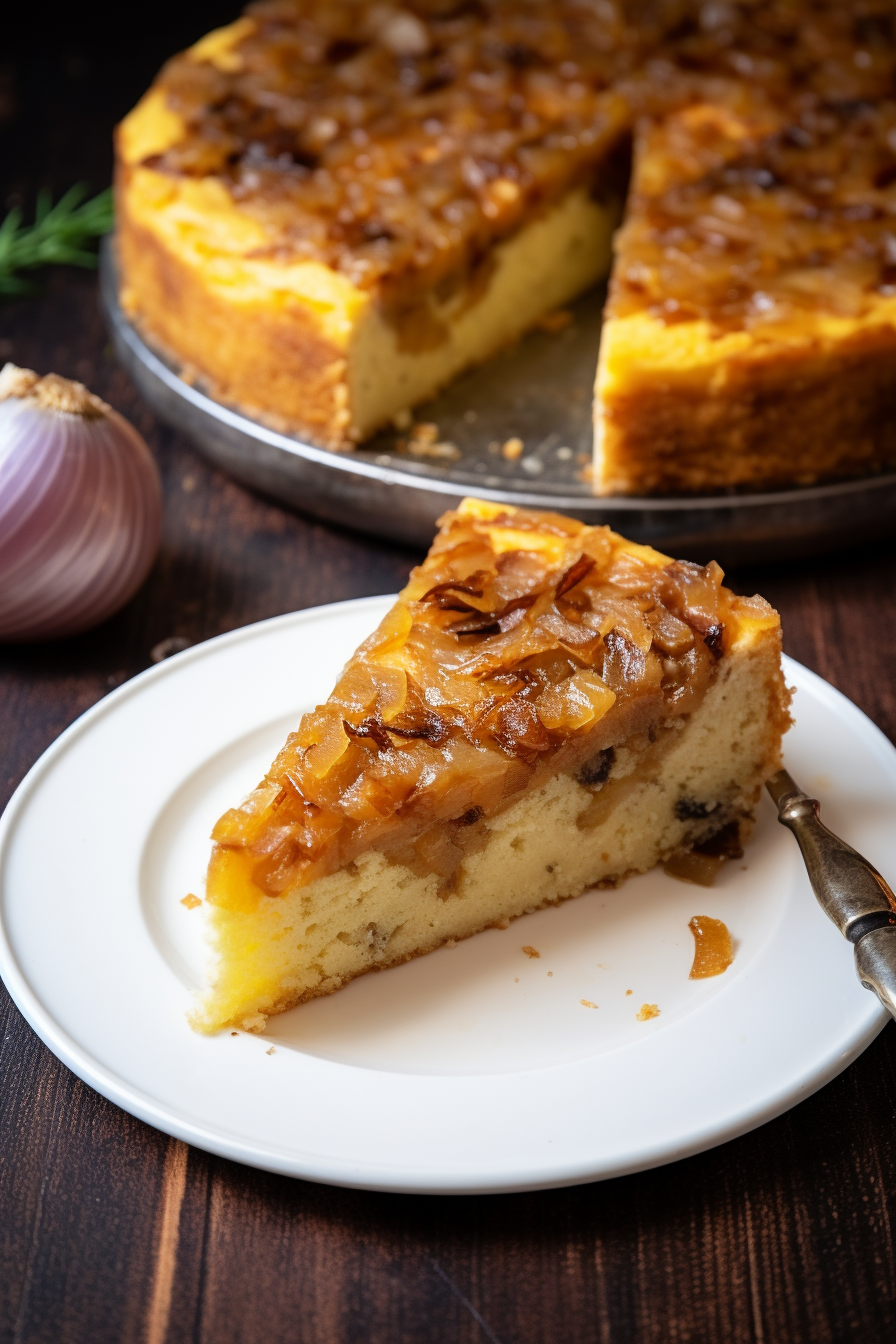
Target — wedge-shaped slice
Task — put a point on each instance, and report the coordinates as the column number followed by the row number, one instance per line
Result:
column 546, row 706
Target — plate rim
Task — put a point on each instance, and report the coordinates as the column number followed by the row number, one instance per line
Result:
column 342, row 1172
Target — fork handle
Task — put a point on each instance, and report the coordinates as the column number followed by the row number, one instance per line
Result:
column 849, row 889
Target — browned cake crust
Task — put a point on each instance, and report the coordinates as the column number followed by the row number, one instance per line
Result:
column 251, row 359
column 781, row 416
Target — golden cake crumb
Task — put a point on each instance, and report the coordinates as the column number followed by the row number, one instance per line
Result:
column 272, row 1051
column 647, row 1011
column 424, row 431
column 531, row 951
column 190, row 901
column 444, row 452
column 586, row 1003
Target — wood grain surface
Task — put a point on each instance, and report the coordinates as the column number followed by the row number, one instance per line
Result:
column 111, row 1232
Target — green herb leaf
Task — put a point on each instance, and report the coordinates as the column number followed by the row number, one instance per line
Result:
column 57, row 236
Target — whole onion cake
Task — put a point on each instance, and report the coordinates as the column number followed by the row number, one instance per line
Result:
column 330, row 208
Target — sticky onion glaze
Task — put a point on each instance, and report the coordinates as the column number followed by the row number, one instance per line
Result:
column 80, row 507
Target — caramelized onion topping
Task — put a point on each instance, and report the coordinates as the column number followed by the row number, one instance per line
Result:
column 575, row 574
column 487, row 622
column 396, row 145
column 369, row 728
column 443, row 596
column 437, row 722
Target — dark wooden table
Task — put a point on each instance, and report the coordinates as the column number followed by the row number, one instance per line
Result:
column 112, row 1232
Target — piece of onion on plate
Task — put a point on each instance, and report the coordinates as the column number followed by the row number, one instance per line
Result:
column 80, row 507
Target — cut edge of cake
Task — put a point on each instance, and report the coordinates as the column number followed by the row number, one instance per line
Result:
column 682, row 410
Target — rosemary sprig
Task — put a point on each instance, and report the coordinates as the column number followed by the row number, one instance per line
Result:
column 57, row 236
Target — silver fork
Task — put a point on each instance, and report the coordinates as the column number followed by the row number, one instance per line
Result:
column 849, row 889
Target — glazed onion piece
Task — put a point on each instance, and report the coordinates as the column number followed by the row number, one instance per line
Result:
column 80, row 507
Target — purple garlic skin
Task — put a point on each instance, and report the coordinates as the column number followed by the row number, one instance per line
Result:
column 80, row 508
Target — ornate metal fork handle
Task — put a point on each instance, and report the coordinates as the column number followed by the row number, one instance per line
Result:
column 850, row 890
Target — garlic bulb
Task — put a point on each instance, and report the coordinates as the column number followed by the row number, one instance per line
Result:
column 80, row 507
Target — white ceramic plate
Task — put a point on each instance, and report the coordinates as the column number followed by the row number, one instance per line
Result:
column 473, row 1069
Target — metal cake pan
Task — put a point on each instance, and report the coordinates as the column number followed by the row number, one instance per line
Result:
column 539, row 391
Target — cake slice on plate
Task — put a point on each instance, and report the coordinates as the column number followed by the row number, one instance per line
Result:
column 546, row 707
